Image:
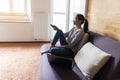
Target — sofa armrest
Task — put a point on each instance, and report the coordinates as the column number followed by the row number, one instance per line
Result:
column 60, row 61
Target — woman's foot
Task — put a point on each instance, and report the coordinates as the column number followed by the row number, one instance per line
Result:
column 48, row 51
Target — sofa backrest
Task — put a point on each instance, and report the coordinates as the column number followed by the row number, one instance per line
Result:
column 82, row 41
column 111, row 70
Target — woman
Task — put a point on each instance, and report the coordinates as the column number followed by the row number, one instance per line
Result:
column 69, row 40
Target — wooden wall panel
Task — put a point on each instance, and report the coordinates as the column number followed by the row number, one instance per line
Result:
column 104, row 17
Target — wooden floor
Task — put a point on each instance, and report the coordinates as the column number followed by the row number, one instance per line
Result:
column 18, row 47
column 19, row 61
column 20, row 44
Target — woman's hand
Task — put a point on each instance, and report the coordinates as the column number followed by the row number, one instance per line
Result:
column 51, row 46
column 63, row 46
column 54, row 27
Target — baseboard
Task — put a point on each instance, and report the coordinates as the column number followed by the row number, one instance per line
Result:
column 24, row 41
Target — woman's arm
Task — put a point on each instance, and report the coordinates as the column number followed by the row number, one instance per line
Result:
column 78, row 36
column 67, row 33
column 63, row 46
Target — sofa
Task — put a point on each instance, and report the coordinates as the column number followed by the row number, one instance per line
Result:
column 110, row 70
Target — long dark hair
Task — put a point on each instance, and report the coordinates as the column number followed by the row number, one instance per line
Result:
column 82, row 18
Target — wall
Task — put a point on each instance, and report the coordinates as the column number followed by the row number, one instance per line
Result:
column 25, row 31
column 16, row 32
column 104, row 17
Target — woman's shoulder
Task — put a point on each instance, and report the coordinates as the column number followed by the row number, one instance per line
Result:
column 73, row 28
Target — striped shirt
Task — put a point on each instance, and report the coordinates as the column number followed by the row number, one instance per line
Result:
column 73, row 37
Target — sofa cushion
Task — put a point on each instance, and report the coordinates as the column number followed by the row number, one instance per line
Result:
column 90, row 59
column 83, row 41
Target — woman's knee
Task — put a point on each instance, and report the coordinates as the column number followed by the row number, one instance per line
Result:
column 53, row 50
column 59, row 31
column 56, row 51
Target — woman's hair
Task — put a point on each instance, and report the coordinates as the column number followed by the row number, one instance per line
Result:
column 82, row 18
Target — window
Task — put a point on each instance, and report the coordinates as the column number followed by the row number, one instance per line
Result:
column 76, row 6
column 14, row 10
column 60, row 13
column 63, row 12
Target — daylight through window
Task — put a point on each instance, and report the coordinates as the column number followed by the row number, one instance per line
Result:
column 14, row 10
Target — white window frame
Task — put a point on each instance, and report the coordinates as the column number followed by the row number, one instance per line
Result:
column 80, row 8
column 64, row 13
column 16, row 16
column 69, row 14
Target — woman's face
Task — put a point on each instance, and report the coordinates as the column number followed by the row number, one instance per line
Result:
column 76, row 21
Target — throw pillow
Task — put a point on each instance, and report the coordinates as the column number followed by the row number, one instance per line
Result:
column 90, row 59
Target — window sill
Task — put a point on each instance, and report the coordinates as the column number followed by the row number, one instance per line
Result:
column 14, row 19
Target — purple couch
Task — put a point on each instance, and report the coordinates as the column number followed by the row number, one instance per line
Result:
column 110, row 71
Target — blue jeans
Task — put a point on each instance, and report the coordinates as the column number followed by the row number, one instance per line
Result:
column 59, row 35
column 66, row 52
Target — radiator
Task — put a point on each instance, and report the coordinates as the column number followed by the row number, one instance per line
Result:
column 41, row 26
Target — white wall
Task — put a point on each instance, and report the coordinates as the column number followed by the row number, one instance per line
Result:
column 16, row 32
column 25, row 31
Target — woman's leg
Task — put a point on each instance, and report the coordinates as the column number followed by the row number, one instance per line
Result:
column 65, row 52
column 59, row 35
